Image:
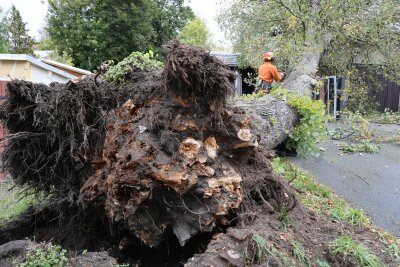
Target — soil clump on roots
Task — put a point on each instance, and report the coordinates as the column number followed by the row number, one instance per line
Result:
column 163, row 164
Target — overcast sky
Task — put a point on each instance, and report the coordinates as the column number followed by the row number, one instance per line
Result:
column 34, row 11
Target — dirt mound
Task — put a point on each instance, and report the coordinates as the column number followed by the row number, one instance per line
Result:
column 13, row 250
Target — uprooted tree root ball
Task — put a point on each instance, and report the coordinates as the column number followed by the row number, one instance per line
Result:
column 156, row 159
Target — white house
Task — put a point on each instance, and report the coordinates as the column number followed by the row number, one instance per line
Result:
column 19, row 66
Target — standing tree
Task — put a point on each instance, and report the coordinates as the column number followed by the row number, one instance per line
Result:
column 196, row 32
column 312, row 35
column 3, row 35
column 170, row 17
column 92, row 31
column 18, row 38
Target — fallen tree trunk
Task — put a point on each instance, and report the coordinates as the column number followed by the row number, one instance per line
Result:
column 274, row 119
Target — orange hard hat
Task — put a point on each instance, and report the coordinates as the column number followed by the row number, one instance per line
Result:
column 268, row 55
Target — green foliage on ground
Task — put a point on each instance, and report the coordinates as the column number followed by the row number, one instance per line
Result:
column 347, row 247
column 300, row 254
column 284, row 219
column 312, row 126
column 261, row 248
column 93, row 31
column 12, row 202
column 45, row 255
column 362, row 147
column 134, row 62
column 359, row 124
column 196, row 33
column 387, row 117
column 354, row 125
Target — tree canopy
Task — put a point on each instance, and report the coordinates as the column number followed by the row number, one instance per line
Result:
column 340, row 30
column 18, row 38
column 97, row 30
column 170, row 17
column 196, row 32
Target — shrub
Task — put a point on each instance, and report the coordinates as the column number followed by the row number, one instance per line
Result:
column 45, row 255
column 312, row 125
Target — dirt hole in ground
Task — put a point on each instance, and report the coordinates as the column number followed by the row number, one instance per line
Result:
column 96, row 235
column 169, row 253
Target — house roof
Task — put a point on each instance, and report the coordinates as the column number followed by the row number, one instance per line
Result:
column 65, row 66
column 230, row 59
column 34, row 61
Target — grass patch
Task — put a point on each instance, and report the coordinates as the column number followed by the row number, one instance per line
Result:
column 317, row 197
column 300, row 254
column 392, row 243
column 284, row 219
column 347, row 247
column 260, row 247
column 364, row 147
column 12, row 202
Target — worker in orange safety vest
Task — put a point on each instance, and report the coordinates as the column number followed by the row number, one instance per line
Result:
column 267, row 73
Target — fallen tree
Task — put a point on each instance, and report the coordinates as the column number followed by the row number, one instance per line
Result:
column 164, row 153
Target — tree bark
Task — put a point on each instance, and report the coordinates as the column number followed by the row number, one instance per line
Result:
column 274, row 119
column 302, row 78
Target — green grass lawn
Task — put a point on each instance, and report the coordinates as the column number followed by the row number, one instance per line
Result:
column 12, row 202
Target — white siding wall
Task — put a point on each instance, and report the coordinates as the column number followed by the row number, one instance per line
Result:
column 40, row 75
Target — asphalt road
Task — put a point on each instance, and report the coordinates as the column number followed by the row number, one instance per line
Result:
column 368, row 181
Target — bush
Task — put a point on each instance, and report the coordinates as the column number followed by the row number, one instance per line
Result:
column 312, row 125
column 361, row 83
column 45, row 255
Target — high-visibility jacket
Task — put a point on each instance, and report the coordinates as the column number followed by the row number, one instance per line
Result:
column 268, row 72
